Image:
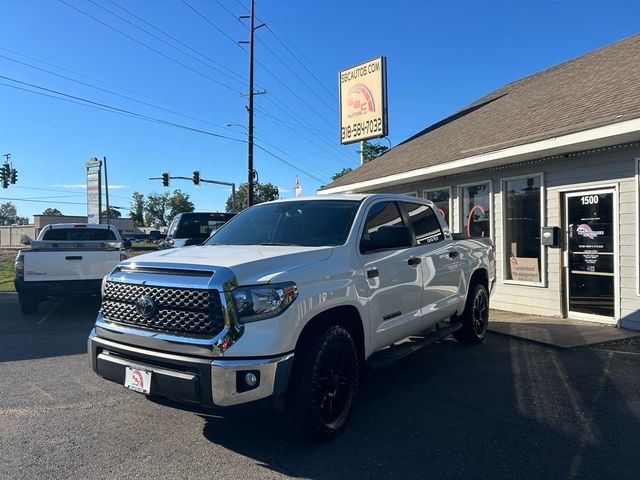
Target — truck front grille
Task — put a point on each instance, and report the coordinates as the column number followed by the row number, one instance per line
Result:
column 182, row 311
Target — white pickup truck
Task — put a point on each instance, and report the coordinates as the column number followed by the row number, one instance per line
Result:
column 292, row 299
column 67, row 259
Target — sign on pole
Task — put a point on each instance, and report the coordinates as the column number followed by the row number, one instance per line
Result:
column 94, row 187
column 363, row 101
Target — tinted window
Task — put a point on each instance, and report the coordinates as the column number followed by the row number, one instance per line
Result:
column 424, row 222
column 79, row 234
column 381, row 214
column 198, row 225
column 311, row 223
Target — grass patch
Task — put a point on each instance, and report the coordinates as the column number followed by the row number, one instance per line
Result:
column 7, row 272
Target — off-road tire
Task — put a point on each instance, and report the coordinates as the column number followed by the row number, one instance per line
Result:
column 475, row 317
column 28, row 305
column 324, row 383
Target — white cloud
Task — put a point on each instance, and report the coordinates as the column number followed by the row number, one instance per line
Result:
column 84, row 186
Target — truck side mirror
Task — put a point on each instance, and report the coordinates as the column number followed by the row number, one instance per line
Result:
column 397, row 236
column 126, row 244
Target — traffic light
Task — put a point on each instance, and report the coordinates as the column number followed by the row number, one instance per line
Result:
column 14, row 176
column 5, row 174
column 165, row 179
column 196, row 177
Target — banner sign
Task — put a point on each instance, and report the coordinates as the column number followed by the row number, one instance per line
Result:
column 94, row 188
column 363, row 101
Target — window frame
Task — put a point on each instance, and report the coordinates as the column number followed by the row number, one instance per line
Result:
column 543, row 223
column 460, row 220
column 450, row 189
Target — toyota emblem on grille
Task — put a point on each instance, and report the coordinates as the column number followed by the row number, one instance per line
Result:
column 145, row 306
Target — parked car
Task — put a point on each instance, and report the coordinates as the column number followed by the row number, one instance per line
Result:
column 67, row 259
column 292, row 299
column 194, row 228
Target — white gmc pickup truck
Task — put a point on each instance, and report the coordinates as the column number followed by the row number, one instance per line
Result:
column 66, row 259
column 292, row 299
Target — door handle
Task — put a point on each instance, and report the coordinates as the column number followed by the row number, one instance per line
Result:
column 373, row 273
column 453, row 254
column 413, row 261
column 78, row 257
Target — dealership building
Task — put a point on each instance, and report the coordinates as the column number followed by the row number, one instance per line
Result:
column 560, row 148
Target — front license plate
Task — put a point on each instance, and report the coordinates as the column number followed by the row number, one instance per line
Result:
column 137, row 379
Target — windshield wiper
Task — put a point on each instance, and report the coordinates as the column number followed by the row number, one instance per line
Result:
column 277, row 244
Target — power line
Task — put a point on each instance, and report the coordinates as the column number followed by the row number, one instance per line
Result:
column 101, row 81
column 150, row 47
column 206, row 19
column 103, row 106
column 41, row 201
column 106, row 90
column 240, row 77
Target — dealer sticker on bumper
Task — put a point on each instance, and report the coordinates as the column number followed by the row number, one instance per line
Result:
column 137, row 379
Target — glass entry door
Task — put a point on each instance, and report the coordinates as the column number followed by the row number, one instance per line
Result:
column 590, row 253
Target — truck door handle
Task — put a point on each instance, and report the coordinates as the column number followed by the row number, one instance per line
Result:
column 373, row 273
column 73, row 257
column 413, row 261
column 453, row 254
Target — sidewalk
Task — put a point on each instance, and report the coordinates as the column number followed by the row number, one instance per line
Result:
column 558, row 332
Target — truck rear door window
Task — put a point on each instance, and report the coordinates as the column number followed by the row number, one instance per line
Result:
column 424, row 222
column 79, row 234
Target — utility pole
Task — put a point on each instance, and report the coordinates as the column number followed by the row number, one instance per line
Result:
column 250, row 172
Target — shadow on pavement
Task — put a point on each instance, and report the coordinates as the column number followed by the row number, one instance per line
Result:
column 60, row 327
column 505, row 409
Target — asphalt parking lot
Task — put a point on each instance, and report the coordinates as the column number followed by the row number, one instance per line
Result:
column 505, row 409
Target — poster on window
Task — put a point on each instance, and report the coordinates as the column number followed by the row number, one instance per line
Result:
column 524, row 269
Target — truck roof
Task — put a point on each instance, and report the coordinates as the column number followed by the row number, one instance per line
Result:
column 346, row 196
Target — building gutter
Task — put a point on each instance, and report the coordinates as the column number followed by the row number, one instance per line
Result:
column 617, row 133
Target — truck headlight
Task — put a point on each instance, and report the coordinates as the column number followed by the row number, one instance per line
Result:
column 263, row 301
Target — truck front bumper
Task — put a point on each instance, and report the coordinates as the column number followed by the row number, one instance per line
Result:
column 218, row 382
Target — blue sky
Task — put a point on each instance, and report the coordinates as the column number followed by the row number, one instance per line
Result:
column 441, row 56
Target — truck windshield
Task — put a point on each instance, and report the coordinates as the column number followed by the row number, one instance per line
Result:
column 309, row 223
column 79, row 234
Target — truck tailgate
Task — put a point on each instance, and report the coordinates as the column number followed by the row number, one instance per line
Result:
column 69, row 264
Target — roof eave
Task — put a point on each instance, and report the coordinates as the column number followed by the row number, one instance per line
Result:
column 613, row 134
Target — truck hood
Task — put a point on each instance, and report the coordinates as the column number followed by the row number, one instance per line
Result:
column 251, row 264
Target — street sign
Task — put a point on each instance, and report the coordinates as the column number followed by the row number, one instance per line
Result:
column 94, row 187
column 363, row 101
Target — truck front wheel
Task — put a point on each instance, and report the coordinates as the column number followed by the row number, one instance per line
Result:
column 28, row 304
column 475, row 317
column 324, row 383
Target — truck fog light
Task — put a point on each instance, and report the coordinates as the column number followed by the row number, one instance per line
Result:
column 251, row 379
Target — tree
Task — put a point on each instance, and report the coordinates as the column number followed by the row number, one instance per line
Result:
column 162, row 207
column 369, row 152
column 53, row 212
column 264, row 192
column 342, row 172
column 113, row 213
column 9, row 215
column 137, row 209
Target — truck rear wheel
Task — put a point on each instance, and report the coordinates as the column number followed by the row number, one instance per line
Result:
column 324, row 384
column 28, row 305
column 475, row 317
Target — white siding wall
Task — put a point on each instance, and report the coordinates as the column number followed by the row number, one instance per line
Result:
column 615, row 167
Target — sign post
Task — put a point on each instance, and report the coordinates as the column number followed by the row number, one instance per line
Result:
column 363, row 101
column 94, row 189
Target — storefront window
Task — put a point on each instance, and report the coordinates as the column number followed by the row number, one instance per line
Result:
column 441, row 199
column 522, row 222
column 476, row 210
